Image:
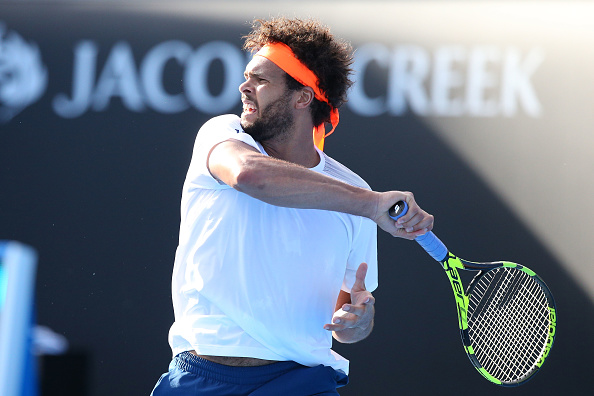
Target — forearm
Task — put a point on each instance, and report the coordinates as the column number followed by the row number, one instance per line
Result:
column 285, row 184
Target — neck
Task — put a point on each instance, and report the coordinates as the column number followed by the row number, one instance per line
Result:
column 297, row 146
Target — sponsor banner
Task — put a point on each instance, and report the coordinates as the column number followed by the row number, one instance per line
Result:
column 453, row 80
column 415, row 79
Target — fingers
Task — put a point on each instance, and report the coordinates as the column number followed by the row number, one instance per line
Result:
column 361, row 309
column 415, row 222
column 353, row 315
column 401, row 233
column 410, row 223
column 418, row 225
column 359, row 284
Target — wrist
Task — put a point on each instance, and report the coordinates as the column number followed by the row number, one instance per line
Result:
column 369, row 203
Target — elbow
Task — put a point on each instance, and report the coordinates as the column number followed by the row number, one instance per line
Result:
column 247, row 177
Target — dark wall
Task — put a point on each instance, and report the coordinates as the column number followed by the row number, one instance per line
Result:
column 97, row 194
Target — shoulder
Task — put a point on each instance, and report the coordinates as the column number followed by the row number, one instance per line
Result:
column 337, row 170
column 217, row 129
column 223, row 122
column 221, row 128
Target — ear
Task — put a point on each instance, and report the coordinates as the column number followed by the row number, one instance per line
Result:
column 305, row 98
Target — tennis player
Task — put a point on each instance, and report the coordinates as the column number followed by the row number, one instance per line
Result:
column 277, row 247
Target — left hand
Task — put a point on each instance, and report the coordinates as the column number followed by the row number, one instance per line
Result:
column 358, row 315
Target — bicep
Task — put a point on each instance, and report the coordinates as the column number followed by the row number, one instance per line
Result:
column 225, row 159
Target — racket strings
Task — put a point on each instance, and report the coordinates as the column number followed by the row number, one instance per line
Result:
column 519, row 358
column 509, row 332
column 508, row 322
column 507, row 335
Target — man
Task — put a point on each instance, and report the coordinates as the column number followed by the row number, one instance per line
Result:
column 277, row 240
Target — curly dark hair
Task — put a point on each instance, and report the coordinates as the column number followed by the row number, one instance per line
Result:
column 312, row 43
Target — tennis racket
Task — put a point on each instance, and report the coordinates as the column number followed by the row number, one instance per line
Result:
column 507, row 315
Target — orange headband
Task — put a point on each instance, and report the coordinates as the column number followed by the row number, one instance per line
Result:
column 281, row 55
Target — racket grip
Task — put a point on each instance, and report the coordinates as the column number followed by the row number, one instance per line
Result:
column 430, row 242
column 432, row 245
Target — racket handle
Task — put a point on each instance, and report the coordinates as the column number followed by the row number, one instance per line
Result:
column 430, row 242
column 432, row 245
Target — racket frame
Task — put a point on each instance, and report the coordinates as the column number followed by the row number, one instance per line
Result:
column 451, row 264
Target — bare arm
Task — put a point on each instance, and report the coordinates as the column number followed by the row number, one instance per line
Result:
column 286, row 184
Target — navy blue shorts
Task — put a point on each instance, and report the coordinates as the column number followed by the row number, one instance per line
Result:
column 191, row 375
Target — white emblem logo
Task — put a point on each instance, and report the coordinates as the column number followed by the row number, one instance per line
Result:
column 23, row 77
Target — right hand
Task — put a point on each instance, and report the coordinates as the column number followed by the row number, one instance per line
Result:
column 414, row 223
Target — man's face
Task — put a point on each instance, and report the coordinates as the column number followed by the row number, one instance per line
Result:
column 267, row 104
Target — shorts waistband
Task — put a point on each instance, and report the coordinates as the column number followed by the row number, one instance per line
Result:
column 238, row 375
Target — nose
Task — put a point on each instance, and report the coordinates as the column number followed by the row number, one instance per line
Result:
column 245, row 87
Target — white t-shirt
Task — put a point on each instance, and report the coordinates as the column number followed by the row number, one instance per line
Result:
column 256, row 280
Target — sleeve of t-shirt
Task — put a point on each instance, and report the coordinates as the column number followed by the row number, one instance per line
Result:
column 364, row 250
column 213, row 132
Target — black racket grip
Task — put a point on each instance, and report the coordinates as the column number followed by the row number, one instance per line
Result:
column 398, row 210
